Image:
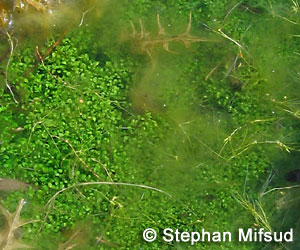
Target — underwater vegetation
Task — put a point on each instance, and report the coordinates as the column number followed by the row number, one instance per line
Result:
column 143, row 42
column 21, row 20
column 112, row 121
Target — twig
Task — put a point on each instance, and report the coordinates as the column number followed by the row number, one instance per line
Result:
column 105, row 183
column 104, row 167
column 54, row 76
column 280, row 188
column 232, row 40
column 11, row 44
column 211, row 71
column 83, row 15
column 42, row 61
column 76, row 154
column 54, row 45
column 13, row 222
column 228, row 13
column 67, row 245
column 51, row 200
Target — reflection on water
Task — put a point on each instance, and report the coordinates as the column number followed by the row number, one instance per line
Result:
column 41, row 19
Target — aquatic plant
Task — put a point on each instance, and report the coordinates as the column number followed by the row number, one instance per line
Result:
column 255, row 207
column 143, row 42
column 78, row 130
column 43, row 20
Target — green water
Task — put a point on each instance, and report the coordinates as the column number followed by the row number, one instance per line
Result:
column 136, row 121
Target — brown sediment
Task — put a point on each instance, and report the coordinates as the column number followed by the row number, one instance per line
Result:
column 143, row 101
column 8, row 185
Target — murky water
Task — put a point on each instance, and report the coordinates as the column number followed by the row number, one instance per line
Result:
column 197, row 100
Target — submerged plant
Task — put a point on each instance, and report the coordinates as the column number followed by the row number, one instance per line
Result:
column 143, row 42
column 23, row 19
column 256, row 209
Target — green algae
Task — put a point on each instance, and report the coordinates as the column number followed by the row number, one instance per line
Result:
column 200, row 123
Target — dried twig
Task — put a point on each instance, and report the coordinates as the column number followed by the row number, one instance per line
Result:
column 54, row 45
column 78, row 157
column 51, row 200
column 67, row 245
column 54, row 76
column 11, row 43
column 8, row 240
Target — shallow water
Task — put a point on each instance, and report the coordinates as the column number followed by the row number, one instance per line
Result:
column 116, row 95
